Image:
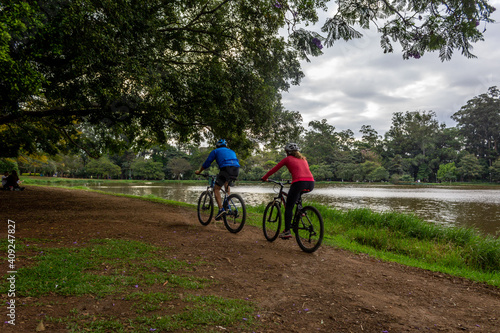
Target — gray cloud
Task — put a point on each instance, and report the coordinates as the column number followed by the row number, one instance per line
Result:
column 355, row 83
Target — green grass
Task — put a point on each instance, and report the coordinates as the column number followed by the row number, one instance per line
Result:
column 200, row 314
column 130, row 272
column 104, row 267
column 30, row 180
column 149, row 197
column 409, row 240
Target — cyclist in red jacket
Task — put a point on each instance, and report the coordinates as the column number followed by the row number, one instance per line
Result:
column 302, row 181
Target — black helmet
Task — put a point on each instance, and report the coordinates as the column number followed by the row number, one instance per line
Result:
column 221, row 143
column 291, row 147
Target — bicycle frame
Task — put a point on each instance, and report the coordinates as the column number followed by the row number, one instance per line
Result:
column 282, row 197
column 211, row 186
column 307, row 223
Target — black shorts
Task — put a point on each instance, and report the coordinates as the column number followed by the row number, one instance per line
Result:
column 227, row 174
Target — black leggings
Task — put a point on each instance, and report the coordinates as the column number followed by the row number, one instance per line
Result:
column 293, row 196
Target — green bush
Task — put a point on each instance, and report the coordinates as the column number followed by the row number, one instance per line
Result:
column 8, row 164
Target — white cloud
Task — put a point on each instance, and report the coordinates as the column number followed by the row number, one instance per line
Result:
column 355, row 83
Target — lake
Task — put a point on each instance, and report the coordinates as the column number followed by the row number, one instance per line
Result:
column 469, row 206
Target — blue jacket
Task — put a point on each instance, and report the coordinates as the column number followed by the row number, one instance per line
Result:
column 224, row 157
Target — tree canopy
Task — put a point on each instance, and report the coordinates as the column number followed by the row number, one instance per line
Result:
column 479, row 122
column 110, row 75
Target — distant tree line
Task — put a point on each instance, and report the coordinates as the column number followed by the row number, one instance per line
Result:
column 415, row 148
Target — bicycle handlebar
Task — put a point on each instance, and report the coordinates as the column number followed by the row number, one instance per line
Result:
column 279, row 183
column 207, row 175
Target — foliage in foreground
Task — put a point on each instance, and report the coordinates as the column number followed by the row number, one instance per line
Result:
column 109, row 75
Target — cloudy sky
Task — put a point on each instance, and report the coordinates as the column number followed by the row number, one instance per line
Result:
column 354, row 83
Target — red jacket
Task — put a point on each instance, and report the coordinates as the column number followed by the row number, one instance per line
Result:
column 297, row 167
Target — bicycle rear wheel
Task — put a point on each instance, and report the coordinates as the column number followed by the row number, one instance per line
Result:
column 236, row 213
column 309, row 229
column 205, row 207
column 271, row 222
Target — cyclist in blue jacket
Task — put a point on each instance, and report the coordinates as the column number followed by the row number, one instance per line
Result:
column 229, row 168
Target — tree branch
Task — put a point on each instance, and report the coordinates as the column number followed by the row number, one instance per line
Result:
column 203, row 12
column 10, row 118
column 394, row 10
column 194, row 20
column 63, row 131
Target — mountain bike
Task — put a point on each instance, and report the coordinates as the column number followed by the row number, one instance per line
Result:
column 236, row 213
column 307, row 223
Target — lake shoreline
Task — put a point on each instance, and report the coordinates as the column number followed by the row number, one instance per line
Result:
column 35, row 179
column 462, row 206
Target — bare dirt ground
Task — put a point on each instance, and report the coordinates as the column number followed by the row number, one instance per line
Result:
column 329, row 291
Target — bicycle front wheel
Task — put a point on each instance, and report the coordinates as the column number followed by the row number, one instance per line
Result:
column 271, row 223
column 309, row 229
column 205, row 207
column 236, row 213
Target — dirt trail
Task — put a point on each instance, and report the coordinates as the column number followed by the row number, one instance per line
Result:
column 328, row 291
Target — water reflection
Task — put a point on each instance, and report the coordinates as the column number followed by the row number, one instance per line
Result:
column 468, row 206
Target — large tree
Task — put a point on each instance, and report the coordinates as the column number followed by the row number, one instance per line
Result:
column 119, row 73
column 479, row 123
column 101, row 74
column 412, row 133
column 321, row 143
column 413, row 136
